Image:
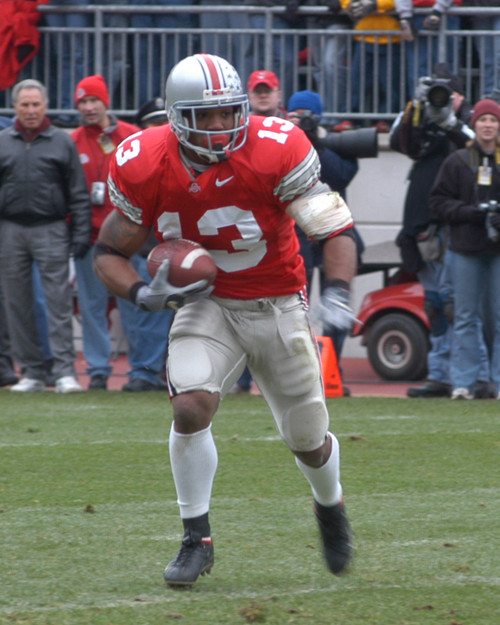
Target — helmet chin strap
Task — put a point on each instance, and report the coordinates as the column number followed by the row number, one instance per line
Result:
column 216, row 144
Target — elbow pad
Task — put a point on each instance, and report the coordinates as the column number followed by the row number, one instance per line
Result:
column 320, row 216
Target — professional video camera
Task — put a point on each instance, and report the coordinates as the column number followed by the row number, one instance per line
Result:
column 440, row 93
column 435, row 91
column 491, row 207
column 361, row 143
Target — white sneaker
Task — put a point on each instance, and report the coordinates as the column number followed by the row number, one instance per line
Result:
column 68, row 384
column 28, row 385
column 461, row 393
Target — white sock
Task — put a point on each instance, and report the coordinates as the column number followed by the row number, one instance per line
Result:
column 193, row 458
column 325, row 481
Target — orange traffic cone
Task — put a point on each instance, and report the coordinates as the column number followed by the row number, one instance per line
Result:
column 330, row 367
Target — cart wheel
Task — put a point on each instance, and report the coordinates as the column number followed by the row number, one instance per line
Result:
column 397, row 347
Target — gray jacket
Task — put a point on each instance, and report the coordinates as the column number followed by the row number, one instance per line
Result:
column 42, row 181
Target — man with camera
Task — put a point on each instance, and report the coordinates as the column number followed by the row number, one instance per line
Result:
column 466, row 196
column 96, row 139
column 432, row 125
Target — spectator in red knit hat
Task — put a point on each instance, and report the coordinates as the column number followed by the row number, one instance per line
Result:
column 466, row 197
column 96, row 139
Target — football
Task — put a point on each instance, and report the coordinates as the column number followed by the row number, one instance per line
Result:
column 189, row 262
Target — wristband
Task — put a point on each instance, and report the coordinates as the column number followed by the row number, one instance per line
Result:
column 337, row 282
column 134, row 289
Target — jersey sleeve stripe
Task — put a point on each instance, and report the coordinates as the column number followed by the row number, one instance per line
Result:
column 118, row 199
column 300, row 179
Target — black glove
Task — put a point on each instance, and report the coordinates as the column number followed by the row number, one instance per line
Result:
column 359, row 8
column 78, row 250
column 408, row 28
column 433, row 20
column 334, row 6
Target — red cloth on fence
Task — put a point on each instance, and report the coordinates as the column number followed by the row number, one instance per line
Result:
column 19, row 37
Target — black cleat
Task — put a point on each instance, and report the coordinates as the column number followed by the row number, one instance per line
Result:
column 98, row 382
column 335, row 535
column 430, row 388
column 195, row 558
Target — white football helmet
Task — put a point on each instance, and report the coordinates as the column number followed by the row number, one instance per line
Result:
column 205, row 81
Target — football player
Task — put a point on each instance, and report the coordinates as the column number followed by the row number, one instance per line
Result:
column 236, row 184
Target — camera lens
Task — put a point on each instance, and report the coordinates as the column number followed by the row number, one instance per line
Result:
column 439, row 96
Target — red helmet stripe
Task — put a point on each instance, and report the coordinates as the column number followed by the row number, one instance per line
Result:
column 210, row 69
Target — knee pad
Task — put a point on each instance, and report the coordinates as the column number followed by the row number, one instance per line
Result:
column 305, row 425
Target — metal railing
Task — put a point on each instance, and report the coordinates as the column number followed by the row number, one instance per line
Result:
column 135, row 59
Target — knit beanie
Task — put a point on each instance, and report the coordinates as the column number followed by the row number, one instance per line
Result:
column 92, row 86
column 305, row 100
column 482, row 108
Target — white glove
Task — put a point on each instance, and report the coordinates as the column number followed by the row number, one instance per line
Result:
column 443, row 116
column 160, row 294
column 334, row 309
column 359, row 8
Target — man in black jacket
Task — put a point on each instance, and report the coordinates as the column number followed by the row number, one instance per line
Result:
column 44, row 215
column 427, row 134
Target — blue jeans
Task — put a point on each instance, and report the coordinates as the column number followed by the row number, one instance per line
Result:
column 72, row 71
column 331, row 75
column 437, row 281
column 489, row 55
column 238, row 49
column 146, row 333
column 282, row 53
column 476, row 279
column 384, row 95
column 432, row 277
column 93, row 300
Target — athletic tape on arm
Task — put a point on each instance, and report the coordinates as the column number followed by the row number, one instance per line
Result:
column 320, row 216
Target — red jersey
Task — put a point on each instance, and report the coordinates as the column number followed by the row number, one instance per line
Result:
column 95, row 147
column 236, row 208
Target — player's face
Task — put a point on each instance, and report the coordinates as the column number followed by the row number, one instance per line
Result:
column 93, row 111
column 264, row 101
column 215, row 120
column 30, row 108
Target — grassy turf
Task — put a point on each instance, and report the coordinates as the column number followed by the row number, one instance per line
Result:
column 88, row 518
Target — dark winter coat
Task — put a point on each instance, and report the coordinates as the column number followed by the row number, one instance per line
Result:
column 455, row 199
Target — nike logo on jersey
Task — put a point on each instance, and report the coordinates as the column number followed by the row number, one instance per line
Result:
column 221, row 183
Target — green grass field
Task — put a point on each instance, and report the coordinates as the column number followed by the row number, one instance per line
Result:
column 88, row 518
